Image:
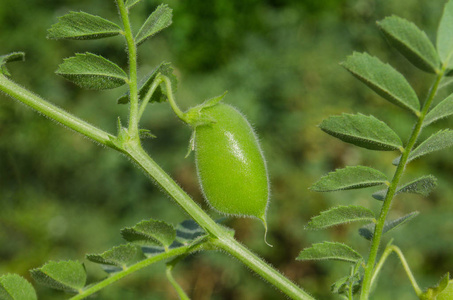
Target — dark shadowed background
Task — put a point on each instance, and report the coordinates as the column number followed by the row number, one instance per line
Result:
column 62, row 196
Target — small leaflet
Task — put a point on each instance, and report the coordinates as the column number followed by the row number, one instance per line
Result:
column 367, row 231
column 119, row 256
column 152, row 231
column 411, row 42
column 444, row 40
column 69, row 276
column 442, row 110
column 422, row 186
column 92, row 71
column 340, row 215
column 363, row 131
column 15, row 287
column 160, row 19
column 383, row 79
column 130, row 3
column 82, row 26
column 438, row 141
column 349, row 178
column 330, row 251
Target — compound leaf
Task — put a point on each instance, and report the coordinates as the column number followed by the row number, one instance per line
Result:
column 423, row 186
column 363, row 131
column 367, row 231
column 92, row 71
column 438, row 141
column 82, row 26
column 444, row 40
column 330, row 251
column 349, row 178
column 442, row 110
column 10, row 57
column 130, row 3
column 120, row 256
column 69, row 276
column 157, row 21
column 155, row 232
column 160, row 94
column 383, row 79
column 15, row 287
column 411, row 42
column 340, row 215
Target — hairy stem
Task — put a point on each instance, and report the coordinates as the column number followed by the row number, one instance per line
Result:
column 171, row 98
column 133, row 89
column 388, row 250
column 182, row 295
column 221, row 238
column 21, row 94
column 366, row 285
column 131, row 269
column 148, row 96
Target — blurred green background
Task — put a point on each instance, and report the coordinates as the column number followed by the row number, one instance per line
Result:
column 62, row 196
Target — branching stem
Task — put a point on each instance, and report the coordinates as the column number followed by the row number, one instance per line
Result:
column 370, row 266
column 388, row 250
column 133, row 89
column 54, row 112
column 131, row 269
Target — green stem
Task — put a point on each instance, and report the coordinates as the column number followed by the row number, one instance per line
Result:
column 171, row 98
column 148, row 96
column 131, row 269
column 221, row 238
column 366, row 285
column 21, row 94
column 233, row 247
column 133, row 89
column 388, row 250
column 182, row 295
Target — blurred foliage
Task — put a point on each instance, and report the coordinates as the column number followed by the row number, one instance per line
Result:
column 62, row 196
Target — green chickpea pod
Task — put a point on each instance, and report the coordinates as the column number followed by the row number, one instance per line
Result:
column 230, row 164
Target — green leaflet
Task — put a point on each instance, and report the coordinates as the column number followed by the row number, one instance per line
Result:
column 422, row 186
column 340, row 215
column 10, row 57
column 444, row 40
column 411, row 42
column 120, row 256
column 155, row 232
column 380, row 195
column 69, row 276
column 363, row 131
column 130, row 3
column 157, row 21
column 15, row 287
column 438, row 141
column 383, row 79
column 92, row 71
column 82, row 26
column 442, row 110
column 330, row 251
column 367, row 231
column 349, row 178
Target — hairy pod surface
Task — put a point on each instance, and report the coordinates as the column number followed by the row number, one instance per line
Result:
column 230, row 164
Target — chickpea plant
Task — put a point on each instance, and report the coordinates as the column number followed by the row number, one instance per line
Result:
column 230, row 164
